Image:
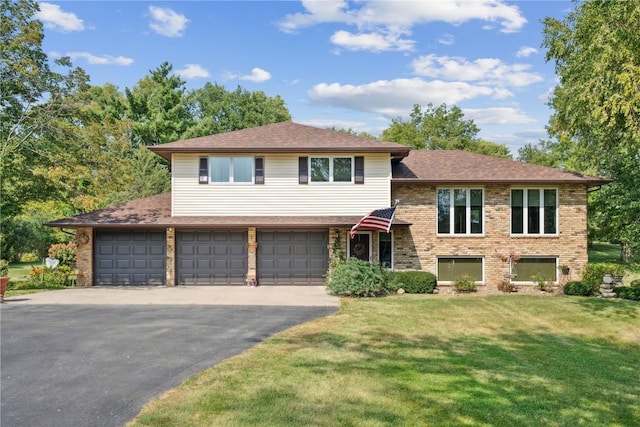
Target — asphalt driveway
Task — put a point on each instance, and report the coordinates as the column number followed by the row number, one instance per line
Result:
column 97, row 365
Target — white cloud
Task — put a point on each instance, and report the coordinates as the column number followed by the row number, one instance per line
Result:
column 491, row 71
column 404, row 14
column 375, row 42
column 167, row 22
column 100, row 60
column 193, row 71
column 258, row 75
column 394, row 98
column 526, row 51
column 497, row 116
column 447, row 39
column 54, row 18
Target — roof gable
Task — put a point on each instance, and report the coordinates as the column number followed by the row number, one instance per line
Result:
column 283, row 137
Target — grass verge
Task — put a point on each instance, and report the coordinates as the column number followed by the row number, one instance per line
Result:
column 503, row 360
column 610, row 253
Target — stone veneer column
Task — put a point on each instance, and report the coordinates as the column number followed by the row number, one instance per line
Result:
column 252, row 249
column 84, row 256
column 170, row 261
column 337, row 251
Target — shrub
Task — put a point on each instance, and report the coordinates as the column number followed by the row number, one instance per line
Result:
column 577, row 288
column 635, row 283
column 465, row 284
column 594, row 272
column 415, row 282
column 506, row 286
column 358, row 278
column 628, row 292
column 4, row 268
column 40, row 278
column 65, row 252
column 543, row 284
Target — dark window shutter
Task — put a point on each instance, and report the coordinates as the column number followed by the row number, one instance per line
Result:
column 359, row 170
column 204, row 170
column 259, row 172
column 303, row 170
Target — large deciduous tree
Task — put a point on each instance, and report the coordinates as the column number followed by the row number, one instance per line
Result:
column 216, row 110
column 596, row 51
column 441, row 128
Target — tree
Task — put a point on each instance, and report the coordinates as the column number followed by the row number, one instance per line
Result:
column 441, row 128
column 158, row 108
column 539, row 154
column 215, row 110
column 596, row 51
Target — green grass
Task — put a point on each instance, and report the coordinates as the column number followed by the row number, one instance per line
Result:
column 18, row 271
column 610, row 253
column 502, row 360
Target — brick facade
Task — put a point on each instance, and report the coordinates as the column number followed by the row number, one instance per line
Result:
column 418, row 246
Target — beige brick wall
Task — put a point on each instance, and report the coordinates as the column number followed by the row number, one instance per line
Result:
column 418, row 246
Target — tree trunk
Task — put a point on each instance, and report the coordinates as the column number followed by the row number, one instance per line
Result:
column 626, row 253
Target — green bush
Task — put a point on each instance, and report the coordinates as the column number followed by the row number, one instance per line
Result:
column 594, row 272
column 465, row 284
column 358, row 278
column 415, row 282
column 4, row 268
column 628, row 292
column 577, row 288
column 635, row 283
column 65, row 252
column 44, row 279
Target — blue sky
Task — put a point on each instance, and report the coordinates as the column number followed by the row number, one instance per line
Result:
column 353, row 65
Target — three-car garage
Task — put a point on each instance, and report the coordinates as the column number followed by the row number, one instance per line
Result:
column 210, row 257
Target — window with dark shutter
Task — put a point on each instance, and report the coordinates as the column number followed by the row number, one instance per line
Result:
column 359, row 170
column 303, row 170
column 204, row 170
column 259, row 173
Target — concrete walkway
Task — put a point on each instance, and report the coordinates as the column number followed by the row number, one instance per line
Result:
column 308, row 296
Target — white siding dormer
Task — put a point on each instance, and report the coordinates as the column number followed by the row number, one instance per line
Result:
column 281, row 194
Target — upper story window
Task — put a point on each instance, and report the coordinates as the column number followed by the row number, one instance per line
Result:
column 331, row 169
column 460, row 210
column 231, row 169
column 534, row 211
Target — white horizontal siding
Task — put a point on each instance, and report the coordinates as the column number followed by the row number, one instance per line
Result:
column 281, row 195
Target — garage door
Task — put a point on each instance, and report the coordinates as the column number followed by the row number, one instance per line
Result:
column 292, row 257
column 129, row 258
column 212, row 257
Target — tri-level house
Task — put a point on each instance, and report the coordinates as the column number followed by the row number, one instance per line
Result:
column 273, row 205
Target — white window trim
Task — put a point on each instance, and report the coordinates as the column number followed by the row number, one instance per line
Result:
column 525, row 203
column 331, row 181
column 370, row 245
column 392, row 251
column 231, row 182
column 448, row 282
column 531, row 282
column 451, row 232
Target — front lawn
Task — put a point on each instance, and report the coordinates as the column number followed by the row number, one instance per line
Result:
column 502, row 360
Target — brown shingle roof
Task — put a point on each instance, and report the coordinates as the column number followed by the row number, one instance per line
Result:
column 283, row 137
column 456, row 166
column 155, row 212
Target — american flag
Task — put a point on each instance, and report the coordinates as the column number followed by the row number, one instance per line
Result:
column 380, row 219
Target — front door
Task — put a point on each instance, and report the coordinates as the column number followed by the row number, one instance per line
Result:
column 360, row 246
